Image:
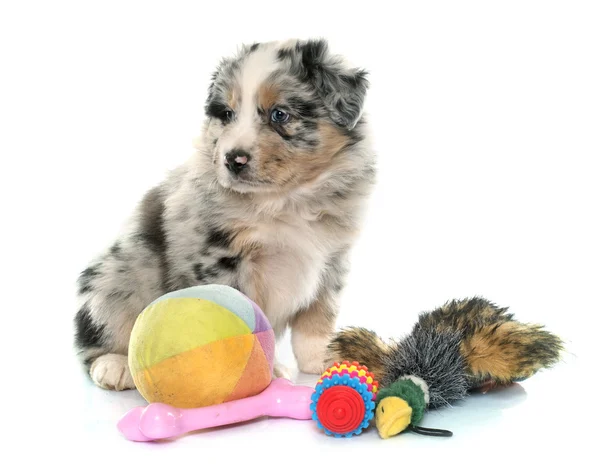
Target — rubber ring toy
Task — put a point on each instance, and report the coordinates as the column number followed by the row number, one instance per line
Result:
column 343, row 403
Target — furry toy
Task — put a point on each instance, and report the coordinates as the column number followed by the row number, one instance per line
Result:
column 462, row 346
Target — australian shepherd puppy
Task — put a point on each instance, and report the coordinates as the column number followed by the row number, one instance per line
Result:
column 270, row 203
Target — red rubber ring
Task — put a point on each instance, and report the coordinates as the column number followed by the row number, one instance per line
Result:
column 340, row 409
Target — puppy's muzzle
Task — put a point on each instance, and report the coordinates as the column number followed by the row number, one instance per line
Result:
column 236, row 160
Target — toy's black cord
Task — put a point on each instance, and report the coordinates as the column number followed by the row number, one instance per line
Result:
column 428, row 431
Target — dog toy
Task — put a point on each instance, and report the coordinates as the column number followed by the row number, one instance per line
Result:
column 342, row 404
column 344, row 399
column 203, row 357
column 160, row 421
column 201, row 346
column 462, row 346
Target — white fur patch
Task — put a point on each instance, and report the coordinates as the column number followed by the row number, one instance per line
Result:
column 111, row 371
column 255, row 70
column 421, row 383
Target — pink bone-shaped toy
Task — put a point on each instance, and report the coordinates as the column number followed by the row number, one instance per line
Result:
column 160, row 421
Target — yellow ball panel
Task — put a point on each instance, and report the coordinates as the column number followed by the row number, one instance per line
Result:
column 177, row 325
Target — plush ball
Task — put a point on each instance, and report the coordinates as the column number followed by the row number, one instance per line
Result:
column 201, row 346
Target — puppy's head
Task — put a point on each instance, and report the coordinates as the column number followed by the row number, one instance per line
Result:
column 279, row 114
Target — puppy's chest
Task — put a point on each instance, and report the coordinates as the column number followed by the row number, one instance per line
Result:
column 279, row 262
column 283, row 260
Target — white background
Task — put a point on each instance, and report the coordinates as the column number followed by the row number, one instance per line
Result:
column 487, row 122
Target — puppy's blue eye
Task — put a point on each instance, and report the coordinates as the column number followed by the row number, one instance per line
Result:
column 279, row 116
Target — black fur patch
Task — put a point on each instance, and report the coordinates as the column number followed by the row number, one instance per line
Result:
column 85, row 279
column 229, row 263
column 119, row 295
column 199, row 272
column 217, row 238
column 87, row 333
column 313, row 54
column 281, row 131
column 151, row 229
column 302, row 108
column 285, row 54
column 115, row 249
column 216, row 109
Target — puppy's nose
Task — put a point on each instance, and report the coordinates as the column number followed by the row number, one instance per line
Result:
column 236, row 160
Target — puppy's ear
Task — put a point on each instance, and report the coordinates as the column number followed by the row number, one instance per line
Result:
column 341, row 88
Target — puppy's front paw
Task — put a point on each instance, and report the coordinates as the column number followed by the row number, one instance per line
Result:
column 318, row 366
column 111, row 371
column 311, row 353
column 281, row 371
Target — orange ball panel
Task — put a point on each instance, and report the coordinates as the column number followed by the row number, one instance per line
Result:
column 256, row 376
column 178, row 380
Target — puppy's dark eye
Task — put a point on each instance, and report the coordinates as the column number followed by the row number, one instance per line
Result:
column 279, row 116
column 227, row 116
